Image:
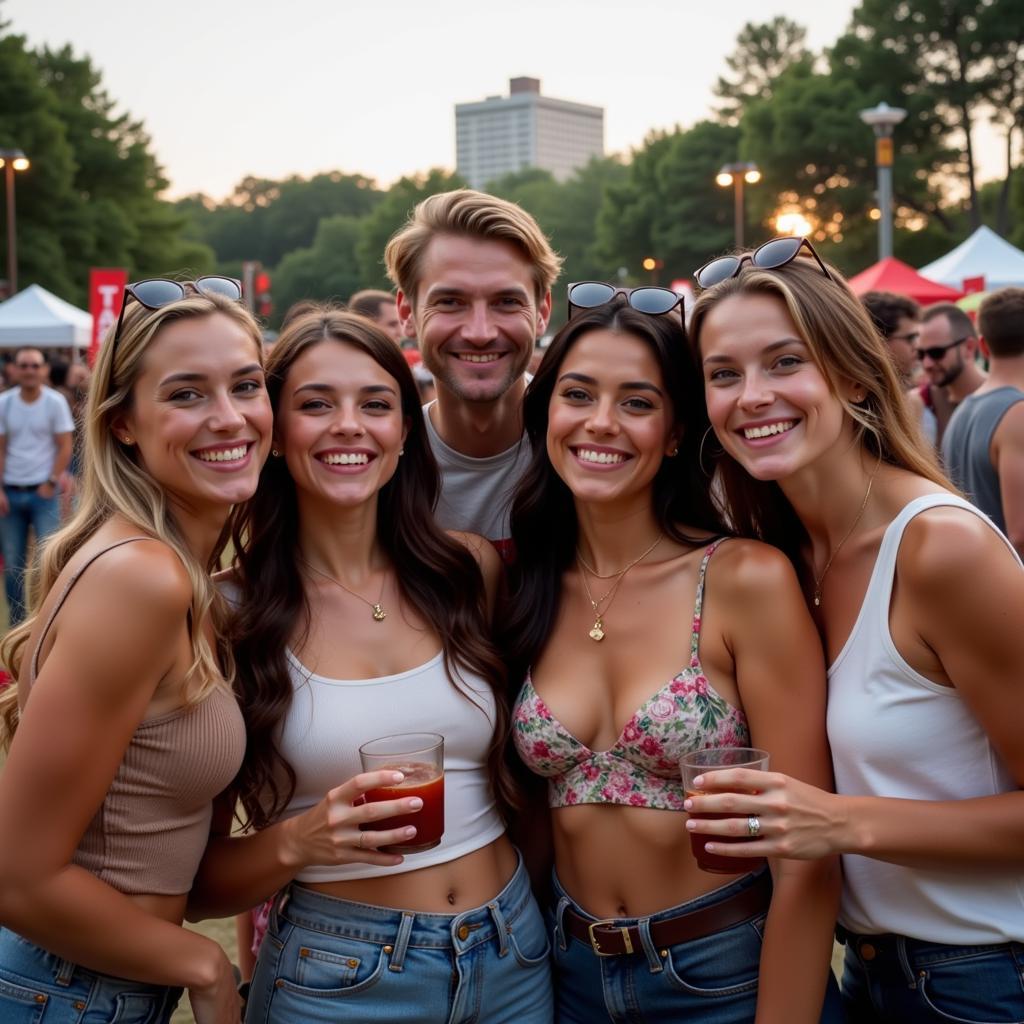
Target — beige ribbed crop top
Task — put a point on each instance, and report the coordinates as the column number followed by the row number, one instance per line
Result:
column 149, row 834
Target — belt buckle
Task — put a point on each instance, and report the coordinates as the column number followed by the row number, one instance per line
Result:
column 596, row 946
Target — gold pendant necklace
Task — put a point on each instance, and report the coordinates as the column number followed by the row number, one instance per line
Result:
column 376, row 607
column 818, row 580
column 597, row 631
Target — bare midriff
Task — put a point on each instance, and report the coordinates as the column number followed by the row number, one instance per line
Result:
column 617, row 861
column 448, row 888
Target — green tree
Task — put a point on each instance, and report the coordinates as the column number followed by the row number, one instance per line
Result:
column 264, row 219
column 51, row 219
column 946, row 45
column 669, row 206
column 326, row 271
column 390, row 214
column 763, row 52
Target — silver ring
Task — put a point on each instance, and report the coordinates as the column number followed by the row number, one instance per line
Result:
column 754, row 825
column 362, row 836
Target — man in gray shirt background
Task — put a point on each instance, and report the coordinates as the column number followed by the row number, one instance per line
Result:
column 983, row 447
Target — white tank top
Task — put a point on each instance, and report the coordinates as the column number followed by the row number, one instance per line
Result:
column 330, row 719
column 895, row 733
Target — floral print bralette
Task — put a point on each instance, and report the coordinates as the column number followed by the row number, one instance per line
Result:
column 641, row 768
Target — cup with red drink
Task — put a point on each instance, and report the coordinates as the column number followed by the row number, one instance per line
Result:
column 419, row 756
column 700, row 762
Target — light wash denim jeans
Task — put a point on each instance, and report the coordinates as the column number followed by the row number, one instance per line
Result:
column 710, row 980
column 37, row 987
column 27, row 509
column 326, row 960
column 891, row 979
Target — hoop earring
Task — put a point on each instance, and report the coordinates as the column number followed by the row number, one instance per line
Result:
column 700, row 453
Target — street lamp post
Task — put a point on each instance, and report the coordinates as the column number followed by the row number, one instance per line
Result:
column 736, row 175
column 883, row 119
column 12, row 160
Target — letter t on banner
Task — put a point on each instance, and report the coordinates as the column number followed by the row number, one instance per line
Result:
column 106, row 290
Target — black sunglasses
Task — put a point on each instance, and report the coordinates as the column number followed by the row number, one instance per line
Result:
column 937, row 352
column 775, row 253
column 157, row 292
column 645, row 299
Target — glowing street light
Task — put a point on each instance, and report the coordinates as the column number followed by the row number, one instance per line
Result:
column 12, row 160
column 737, row 174
column 883, row 119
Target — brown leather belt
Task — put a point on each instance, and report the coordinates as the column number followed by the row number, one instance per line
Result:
column 606, row 938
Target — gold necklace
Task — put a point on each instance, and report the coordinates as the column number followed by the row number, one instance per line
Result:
column 818, row 580
column 597, row 632
column 379, row 615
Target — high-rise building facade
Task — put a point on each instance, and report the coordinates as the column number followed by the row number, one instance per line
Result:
column 502, row 134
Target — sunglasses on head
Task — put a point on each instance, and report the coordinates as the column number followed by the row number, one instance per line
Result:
column 937, row 352
column 157, row 292
column 775, row 253
column 645, row 299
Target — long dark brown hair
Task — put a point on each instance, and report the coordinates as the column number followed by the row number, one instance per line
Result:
column 545, row 529
column 435, row 573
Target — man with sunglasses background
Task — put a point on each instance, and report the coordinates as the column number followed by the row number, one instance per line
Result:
column 983, row 447
column 474, row 276
column 897, row 318
column 946, row 348
column 35, row 448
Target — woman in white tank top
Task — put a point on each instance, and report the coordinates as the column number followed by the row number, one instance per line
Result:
column 920, row 602
column 359, row 618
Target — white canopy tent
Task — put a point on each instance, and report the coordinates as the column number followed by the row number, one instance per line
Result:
column 984, row 254
column 37, row 317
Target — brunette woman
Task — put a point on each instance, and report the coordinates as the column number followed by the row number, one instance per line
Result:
column 359, row 618
column 644, row 634
column 126, row 724
column 920, row 602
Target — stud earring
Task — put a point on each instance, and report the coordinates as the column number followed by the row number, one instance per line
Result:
column 127, row 439
column 673, row 451
column 274, row 452
column 401, row 451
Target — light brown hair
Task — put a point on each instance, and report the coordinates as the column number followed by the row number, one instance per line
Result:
column 847, row 348
column 469, row 214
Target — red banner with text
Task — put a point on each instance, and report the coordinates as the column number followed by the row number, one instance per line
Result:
column 106, row 290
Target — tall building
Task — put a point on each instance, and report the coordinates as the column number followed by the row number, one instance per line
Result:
column 502, row 134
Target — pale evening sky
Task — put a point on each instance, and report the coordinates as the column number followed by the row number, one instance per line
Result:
column 279, row 87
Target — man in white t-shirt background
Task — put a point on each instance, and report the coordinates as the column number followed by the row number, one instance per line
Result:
column 474, row 276
column 35, row 448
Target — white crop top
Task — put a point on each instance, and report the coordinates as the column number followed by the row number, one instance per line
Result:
column 895, row 733
column 330, row 719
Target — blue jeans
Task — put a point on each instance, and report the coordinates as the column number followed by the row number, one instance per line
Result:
column 711, row 980
column 37, row 987
column 28, row 509
column 330, row 960
column 890, row 979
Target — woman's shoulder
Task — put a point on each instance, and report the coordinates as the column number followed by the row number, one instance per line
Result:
column 138, row 568
column 750, row 568
column 946, row 545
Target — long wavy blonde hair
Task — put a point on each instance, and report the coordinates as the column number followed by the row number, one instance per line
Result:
column 115, row 483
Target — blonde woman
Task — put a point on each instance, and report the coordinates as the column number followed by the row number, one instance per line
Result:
column 126, row 727
column 920, row 602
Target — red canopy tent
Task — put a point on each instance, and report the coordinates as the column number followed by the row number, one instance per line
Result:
column 892, row 275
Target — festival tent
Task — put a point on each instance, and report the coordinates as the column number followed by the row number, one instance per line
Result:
column 37, row 317
column 985, row 255
column 892, row 275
